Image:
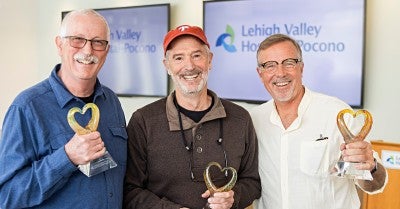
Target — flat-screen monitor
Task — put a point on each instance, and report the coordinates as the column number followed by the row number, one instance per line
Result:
column 134, row 62
column 330, row 32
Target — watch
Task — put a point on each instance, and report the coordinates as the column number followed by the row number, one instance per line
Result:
column 375, row 168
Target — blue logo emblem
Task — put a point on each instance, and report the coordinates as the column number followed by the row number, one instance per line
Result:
column 390, row 160
column 223, row 37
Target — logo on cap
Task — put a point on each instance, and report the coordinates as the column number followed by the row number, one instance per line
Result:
column 183, row 27
column 184, row 30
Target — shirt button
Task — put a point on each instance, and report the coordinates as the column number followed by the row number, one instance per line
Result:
column 199, row 150
column 110, row 194
column 198, row 137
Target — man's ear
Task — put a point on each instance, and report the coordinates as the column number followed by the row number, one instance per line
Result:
column 258, row 71
column 211, row 57
column 301, row 67
column 165, row 62
column 59, row 44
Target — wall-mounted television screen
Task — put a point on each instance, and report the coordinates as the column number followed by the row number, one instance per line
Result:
column 134, row 62
column 330, row 32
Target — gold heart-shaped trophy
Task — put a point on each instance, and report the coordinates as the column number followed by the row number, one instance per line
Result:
column 348, row 169
column 92, row 124
column 210, row 185
column 344, row 130
column 98, row 165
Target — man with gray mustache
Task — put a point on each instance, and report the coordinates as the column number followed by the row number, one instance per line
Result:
column 39, row 151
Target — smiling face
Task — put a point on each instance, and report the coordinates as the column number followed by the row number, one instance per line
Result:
column 284, row 85
column 188, row 62
column 81, row 65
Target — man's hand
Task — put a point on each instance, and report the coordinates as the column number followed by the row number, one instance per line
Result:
column 220, row 200
column 359, row 151
column 82, row 149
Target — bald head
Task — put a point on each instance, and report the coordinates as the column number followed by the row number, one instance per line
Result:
column 71, row 17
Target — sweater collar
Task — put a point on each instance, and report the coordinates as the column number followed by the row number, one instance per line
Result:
column 217, row 111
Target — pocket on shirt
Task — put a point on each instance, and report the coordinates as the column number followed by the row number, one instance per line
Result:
column 118, row 147
column 314, row 158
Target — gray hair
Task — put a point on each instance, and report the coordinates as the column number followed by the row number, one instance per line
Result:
column 64, row 23
column 278, row 38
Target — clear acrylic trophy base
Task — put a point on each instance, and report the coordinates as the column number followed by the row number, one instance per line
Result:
column 349, row 170
column 98, row 165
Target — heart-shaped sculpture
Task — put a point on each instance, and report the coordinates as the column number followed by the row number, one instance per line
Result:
column 92, row 124
column 346, row 133
column 210, row 185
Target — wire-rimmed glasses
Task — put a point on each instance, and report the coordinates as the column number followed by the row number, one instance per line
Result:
column 79, row 42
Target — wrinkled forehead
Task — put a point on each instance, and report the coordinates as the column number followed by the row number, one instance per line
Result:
column 278, row 51
column 87, row 25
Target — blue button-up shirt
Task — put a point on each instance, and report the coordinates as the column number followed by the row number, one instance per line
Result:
column 34, row 168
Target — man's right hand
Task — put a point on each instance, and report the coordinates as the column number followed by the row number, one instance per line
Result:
column 82, row 149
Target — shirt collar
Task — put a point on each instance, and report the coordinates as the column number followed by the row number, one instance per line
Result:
column 304, row 104
column 62, row 94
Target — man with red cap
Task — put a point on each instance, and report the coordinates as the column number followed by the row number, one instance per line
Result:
column 172, row 140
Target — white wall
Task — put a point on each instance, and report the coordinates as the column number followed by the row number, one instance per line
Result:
column 18, row 50
column 28, row 52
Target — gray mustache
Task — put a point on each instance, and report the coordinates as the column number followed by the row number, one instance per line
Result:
column 86, row 58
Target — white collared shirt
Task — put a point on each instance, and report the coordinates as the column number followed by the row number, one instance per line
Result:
column 294, row 167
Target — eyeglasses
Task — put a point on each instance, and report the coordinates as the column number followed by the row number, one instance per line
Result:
column 79, row 42
column 272, row 66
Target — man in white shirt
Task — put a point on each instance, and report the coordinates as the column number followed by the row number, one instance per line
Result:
column 299, row 141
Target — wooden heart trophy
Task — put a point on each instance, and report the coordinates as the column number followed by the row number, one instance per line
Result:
column 98, row 165
column 348, row 169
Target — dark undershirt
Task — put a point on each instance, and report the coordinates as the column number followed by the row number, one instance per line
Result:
column 88, row 99
column 196, row 116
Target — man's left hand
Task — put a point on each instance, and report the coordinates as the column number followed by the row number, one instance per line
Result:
column 220, row 200
column 359, row 151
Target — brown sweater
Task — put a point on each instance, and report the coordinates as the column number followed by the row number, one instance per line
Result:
column 158, row 168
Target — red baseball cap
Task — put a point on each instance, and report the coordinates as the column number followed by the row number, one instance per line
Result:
column 184, row 30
